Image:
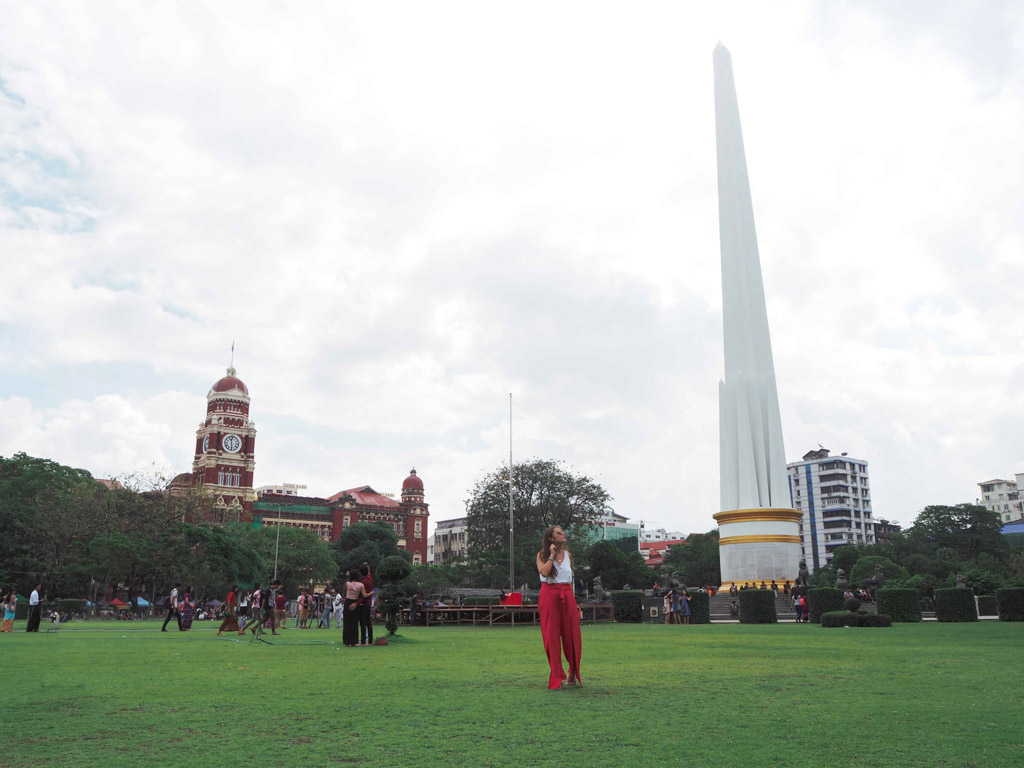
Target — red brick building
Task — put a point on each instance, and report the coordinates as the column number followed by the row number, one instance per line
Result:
column 225, row 451
column 330, row 516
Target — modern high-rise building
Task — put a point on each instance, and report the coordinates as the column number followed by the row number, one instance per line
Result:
column 1003, row 498
column 834, row 494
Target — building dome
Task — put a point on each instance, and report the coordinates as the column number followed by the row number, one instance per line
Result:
column 230, row 382
column 412, row 482
column 185, row 478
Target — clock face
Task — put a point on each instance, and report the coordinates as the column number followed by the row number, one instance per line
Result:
column 206, row 444
column 232, row 443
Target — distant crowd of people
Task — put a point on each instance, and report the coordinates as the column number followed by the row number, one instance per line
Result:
column 261, row 608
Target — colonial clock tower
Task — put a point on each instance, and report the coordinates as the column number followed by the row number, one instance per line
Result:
column 225, row 447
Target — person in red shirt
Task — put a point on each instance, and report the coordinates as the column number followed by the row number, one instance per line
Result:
column 365, row 607
column 230, row 622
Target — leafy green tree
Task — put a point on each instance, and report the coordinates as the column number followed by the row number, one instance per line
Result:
column 366, row 543
column 617, row 568
column 967, row 529
column 696, row 560
column 845, row 557
column 864, row 568
column 391, row 571
column 544, row 493
column 303, row 558
column 42, row 515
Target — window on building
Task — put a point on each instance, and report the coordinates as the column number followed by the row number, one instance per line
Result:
column 419, row 526
column 416, row 559
column 346, row 521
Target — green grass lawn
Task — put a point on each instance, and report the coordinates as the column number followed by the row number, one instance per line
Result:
column 109, row 693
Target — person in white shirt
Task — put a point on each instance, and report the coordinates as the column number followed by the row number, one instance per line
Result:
column 33, row 610
column 339, row 602
column 559, row 615
column 172, row 609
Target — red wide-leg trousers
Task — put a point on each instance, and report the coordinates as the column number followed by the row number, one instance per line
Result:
column 560, row 629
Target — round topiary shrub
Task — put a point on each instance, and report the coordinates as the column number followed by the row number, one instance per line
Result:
column 901, row 604
column 821, row 600
column 700, row 608
column 1011, row 603
column 393, row 568
column 875, row 620
column 988, row 605
column 833, row 619
column 757, row 606
column 851, row 604
column 955, row 604
column 627, row 606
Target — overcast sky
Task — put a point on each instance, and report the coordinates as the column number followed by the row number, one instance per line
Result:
column 401, row 213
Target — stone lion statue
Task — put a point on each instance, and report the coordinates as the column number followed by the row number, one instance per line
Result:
column 802, row 574
column 841, row 580
column 879, row 576
column 600, row 595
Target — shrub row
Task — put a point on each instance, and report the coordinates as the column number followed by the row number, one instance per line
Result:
column 822, row 600
column 902, row 604
column 1011, row 603
column 757, row 606
column 850, row 619
column 955, row 604
column 627, row 606
column 700, row 608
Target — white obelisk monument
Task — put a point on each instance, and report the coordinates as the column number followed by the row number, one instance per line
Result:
column 758, row 529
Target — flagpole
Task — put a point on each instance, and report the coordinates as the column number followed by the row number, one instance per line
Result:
column 277, row 546
column 511, row 524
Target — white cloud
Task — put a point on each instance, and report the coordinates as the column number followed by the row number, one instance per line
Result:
column 399, row 223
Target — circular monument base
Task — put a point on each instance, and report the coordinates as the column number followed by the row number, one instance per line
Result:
column 758, row 545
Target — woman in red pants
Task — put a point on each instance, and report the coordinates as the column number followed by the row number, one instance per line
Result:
column 559, row 616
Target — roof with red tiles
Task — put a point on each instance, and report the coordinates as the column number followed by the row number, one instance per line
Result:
column 367, row 496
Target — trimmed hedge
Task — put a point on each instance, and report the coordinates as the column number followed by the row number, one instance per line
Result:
column 700, row 608
column 840, row 619
column 834, row 619
column 821, row 600
column 627, row 606
column 1011, row 603
column 902, row 605
column 851, row 604
column 757, row 606
column 955, row 604
column 987, row 605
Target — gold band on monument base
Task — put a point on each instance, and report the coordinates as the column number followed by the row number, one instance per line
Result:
column 773, row 514
column 758, row 539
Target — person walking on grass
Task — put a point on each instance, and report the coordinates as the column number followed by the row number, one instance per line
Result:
column 230, row 622
column 559, row 614
column 255, row 606
column 281, row 609
column 34, row 609
column 10, row 607
column 339, row 605
column 172, row 609
column 684, row 606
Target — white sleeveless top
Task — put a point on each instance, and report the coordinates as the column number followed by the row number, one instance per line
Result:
column 564, row 572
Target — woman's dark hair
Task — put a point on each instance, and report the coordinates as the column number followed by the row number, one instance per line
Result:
column 545, row 548
column 353, row 575
column 364, row 569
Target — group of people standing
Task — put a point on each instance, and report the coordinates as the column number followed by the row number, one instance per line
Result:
column 677, row 606
column 351, row 604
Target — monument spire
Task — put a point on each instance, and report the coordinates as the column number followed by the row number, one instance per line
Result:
column 758, row 529
column 753, row 470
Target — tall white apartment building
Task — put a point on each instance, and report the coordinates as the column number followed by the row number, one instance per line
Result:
column 834, row 494
column 1003, row 497
column 450, row 540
